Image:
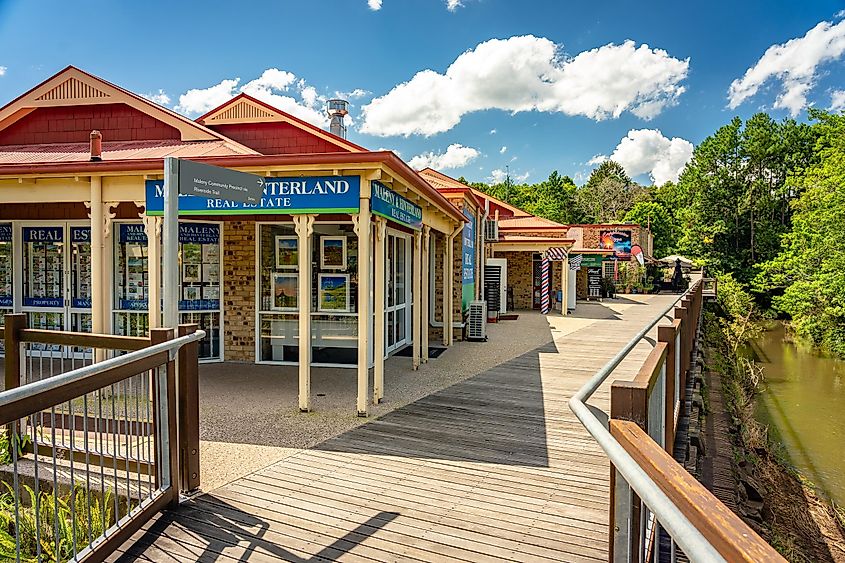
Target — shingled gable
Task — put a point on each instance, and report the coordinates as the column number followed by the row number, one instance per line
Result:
column 67, row 106
column 270, row 130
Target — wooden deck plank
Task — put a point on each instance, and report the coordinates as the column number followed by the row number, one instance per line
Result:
column 493, row 468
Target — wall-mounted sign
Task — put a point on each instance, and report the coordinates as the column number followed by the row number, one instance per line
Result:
column 590, row 260
column 312, row 194
column 199, row 233
column 132, row 232
column 594, row 282
column 617, row 241
column 468, row 261
column 390, row 205
column 5, row 232
column 43, row 234
column 206, row 181
column 80, row 235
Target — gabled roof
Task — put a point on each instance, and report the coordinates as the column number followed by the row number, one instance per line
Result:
column 444, row 184
column 75, row 87
column 530, row 223
column 243, row 108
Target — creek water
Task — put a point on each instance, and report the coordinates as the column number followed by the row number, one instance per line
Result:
column 803, row 402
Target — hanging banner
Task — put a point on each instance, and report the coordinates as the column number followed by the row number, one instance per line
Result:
column 43, row 234
column 5, row 232
column 390, row 205
column 309, row 194
column 468, row 261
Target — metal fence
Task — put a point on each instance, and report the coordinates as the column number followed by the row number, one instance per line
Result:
column 94, row 447
column 649, row 490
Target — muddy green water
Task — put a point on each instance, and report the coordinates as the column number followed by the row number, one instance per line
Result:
column 803, row 402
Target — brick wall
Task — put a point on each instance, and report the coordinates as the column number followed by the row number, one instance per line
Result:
column 436, row 333
column 519, row 277
column 239, row 290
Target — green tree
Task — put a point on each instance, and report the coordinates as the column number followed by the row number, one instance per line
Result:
column 654, row 216
column 608, row 194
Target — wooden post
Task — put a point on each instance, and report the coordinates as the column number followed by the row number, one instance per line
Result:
column 189, row 420
column 447, row 312
column 667, row 334
column 681, row 315
column 13, row 324
column 362, row 227
column 304, row 226
column 98, row 301
column 417, row 289
column 378, row 306
column 426, row 290
column 166, row 423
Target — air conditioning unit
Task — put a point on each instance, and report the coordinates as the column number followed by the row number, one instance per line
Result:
column 491, row 230
column 477, row 325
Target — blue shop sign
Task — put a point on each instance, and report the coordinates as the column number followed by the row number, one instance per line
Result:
column 133, row 305
column 5, row 232
column 6, row 301
column 81, row 303
column 199, row 305
column 80, row 235
column 390, row 205
column 43, row 234
column 199, row 233
column 309, row 194
column 132, row 232
column 468, row 248
column 43, row 302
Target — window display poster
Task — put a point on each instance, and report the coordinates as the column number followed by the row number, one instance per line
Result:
column 199, row 233
column 285, row 289
column 333, row 253
column 287, row 254
column 5, row 232
column 617, row 241
column 132, row 232
column 334, row 293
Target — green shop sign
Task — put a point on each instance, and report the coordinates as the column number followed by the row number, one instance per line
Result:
column 390, row 205
column 591, row 260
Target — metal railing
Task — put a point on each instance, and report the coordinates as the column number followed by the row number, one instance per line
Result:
column 649, row 490
column 95, row 451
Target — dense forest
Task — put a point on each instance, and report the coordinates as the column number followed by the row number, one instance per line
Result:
column 762, row 201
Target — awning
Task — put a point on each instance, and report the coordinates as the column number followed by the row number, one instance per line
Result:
column 557, row 253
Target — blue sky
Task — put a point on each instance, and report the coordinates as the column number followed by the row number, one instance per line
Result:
column 550, row 84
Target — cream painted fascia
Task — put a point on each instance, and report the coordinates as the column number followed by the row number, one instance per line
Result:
column 527, row 246
column 52, row 94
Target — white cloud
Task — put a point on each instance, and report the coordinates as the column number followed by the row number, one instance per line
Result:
column 453, row 5
column 503, row 150
column 794, row 64
column 597, row 159
column 837, row 100
column 527, row 73
column 356, row 93
column 492, row 131
column 456, row 156
column 3, row 70
column 498, row 176
column 161, row 98
column 374, row 4
column 647, row 151
column 275, row 87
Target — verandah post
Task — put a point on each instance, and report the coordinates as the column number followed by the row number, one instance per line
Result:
column 189, row 427
column 14, row 323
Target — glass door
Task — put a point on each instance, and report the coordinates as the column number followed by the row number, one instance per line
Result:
column 397, row 292
column 56, row 281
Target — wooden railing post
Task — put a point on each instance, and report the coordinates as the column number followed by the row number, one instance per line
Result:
column 14, row 324
column 667, row 334
column 167, row 459
column 681, row 315
column 189, row 421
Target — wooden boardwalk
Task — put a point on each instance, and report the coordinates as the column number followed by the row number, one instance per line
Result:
column 493, row 468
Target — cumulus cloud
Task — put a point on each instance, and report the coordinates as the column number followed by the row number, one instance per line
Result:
column 456, row 156
column 161, row 98
column 503, row 150
column 837, row 100
column 528, row 73
column 279, row 88
column 492, row 131
column 356, row 93
column 453, row 5
column 794, row 65
column 497, row 176
column 374, row 4
column 597, row 159
column 3, row 70
column 648, row 151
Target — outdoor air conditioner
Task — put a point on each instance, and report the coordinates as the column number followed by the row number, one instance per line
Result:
column 477, row 325
column 491, row 230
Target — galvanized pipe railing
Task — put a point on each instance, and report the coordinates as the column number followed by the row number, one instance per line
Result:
column 654, row 475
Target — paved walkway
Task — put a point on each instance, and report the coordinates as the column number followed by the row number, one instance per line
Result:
column 492, row 468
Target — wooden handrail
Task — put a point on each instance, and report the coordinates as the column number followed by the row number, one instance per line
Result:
column 84, row 339
column 726, row 531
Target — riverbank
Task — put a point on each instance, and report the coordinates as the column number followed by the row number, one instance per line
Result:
column 771, row 496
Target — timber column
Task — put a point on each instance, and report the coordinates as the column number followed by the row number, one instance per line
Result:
column 416, row 319
column 304, row 225
column 426, row 288
column 98, row 225
column 152, row 228
column 362, row 229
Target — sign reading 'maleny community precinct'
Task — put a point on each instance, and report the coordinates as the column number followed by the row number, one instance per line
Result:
column 390, row 205
column 310, row 194
column 204, row 180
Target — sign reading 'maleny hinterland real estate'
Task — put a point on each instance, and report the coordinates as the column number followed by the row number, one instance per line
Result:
column 306, row 194
column 390, row 205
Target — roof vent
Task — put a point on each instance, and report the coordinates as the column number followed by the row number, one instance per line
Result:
column 96, row 146
column 337, row 110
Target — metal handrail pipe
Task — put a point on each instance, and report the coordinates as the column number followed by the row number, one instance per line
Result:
column 687, row 536
column 16, row 394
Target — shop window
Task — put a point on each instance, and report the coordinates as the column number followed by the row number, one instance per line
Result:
column 131, row 280
column 6, row 273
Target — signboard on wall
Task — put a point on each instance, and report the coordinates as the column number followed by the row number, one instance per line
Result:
column 308, row 194
column 468, row 261
column 619, row 241
column 590, row 260
column 392, row 206
column 594, row 282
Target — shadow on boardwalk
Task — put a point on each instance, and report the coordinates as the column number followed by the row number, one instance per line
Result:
column 494, row 417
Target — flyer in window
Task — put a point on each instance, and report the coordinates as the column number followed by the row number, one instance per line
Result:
column 211, row 292
column 191, row 253
column 210, row 253
column 211, row 273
